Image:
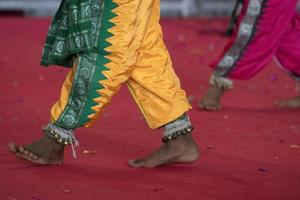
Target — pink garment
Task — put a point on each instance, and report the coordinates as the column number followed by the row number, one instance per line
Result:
column 266, row 28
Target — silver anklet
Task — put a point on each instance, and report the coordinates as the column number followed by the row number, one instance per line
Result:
column 221, row 82
column 179, row 127
column 61, row 136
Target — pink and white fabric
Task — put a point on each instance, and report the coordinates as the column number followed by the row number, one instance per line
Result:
column 267, row 29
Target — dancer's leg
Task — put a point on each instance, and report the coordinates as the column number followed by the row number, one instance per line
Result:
column 156, row 89
column 288, row 55
column 89, row 86
column 263, row 24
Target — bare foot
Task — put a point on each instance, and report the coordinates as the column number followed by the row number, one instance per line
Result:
column 290, row 103
column 211, row 100
column 180, row 150
column 44, row 151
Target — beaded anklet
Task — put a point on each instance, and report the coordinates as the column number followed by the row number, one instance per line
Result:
column 61, row 136
column 179, row 127
column 175, row 135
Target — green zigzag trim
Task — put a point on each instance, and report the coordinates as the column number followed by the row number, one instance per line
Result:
column 101, row 61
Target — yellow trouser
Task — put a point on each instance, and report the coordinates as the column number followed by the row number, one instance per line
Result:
column 136, row 54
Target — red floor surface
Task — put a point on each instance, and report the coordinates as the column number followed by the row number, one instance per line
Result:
column 249, row 150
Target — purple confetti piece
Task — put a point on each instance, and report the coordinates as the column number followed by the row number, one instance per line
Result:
column 210, row 147
column 273, row 77
column 157, row 189
column 263, row 170
column 19, row 100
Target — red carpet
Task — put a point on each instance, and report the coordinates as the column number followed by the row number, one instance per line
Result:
column 248, row 151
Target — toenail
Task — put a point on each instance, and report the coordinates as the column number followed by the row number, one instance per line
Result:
column 20, row 149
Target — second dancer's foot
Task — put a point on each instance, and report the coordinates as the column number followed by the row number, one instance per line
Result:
column 44, row 151
column 211, row 101
column 180, row 150
column 289, row 103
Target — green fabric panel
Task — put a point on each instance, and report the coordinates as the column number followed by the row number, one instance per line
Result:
column 73, row 31
column 101, row 60
column 88, row 74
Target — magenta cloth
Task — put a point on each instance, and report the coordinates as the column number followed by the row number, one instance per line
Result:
column 276, row 33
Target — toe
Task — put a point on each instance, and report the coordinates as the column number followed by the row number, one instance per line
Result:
column 12, row 147
column 34, row 157
column 201, row 105
column 133, row 163
column 210, row 108
column 31, row 155
column 280, row 103
column 21, row 149
column 31, row 159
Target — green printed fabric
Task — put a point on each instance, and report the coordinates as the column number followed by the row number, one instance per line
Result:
column 74, row 30
column 88, row 74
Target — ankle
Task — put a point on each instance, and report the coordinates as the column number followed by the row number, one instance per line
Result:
column 54, row 145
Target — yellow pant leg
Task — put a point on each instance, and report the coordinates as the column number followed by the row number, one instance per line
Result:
column 99, row 76
column 153, row 82
column 60, row 105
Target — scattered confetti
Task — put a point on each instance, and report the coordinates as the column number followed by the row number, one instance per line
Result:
column 12, row 198
column 211, row 47
column 65, row 189
column 210, row 147
column 191, row 98
column 273, row 77
column 252, row 87
column 181, row 38
column 295, row 146
column 157, row 189
column 89, row 152
column 19, row 100
column 41, row 78
column 36, row 198
column 15, row 83
column 263, row 170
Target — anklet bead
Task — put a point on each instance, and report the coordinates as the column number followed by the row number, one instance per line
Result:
column 61, row 136
column 53, row 135
column 176, row 134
